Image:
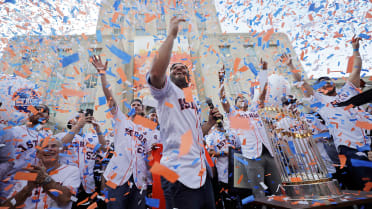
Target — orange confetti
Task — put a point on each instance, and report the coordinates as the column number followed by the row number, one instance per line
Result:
column 111, row 184
column 368, row 15
column 364, row 125
column 149, row 18
column 121, row 74
column 268, row 35
column 240, row 178
column 186, row 142
column 93, row 205
column 367, row 187
column 311, row 17
column 72, row 92
column 170, row 105
column 162, row 170
column 350, row 65
column 240, row 123
column 147, row 123
column 236, row 63
column 115, row 17
column 25, row 176
column 188, row 94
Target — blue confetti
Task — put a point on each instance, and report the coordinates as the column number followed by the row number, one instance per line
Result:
column 361, row 163
column 119, row 53
column 101, row 100
column 152, row 202
column 364, row 36
column 241, row 160
column 70, row 59
column 99, row 36
column 248, row 199
column 325, row 135
column 253, row 69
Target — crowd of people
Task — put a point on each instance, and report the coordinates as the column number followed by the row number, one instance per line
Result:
column 80, row 169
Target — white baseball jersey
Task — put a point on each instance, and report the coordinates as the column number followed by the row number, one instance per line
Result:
column 26, row 139
column 66, row 175
column 317, row 128
column 220, row 142
column 82, row 154
column 176, row 117
column 253, row 139
column 6, row 147
column 131, row 145
column 341, row 122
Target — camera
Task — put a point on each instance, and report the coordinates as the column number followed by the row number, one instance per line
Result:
column 88, row 112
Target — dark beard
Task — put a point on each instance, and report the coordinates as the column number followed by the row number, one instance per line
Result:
column 181, row 83
column 330, row 93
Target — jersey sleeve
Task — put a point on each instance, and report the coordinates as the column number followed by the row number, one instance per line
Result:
column 73, row 178
column 158, row 94
column 349, row 89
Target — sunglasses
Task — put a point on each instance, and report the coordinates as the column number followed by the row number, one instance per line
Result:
column 289, row 101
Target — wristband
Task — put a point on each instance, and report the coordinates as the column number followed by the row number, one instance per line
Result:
column 355, row 50
column 100, row 134
column 47, row 180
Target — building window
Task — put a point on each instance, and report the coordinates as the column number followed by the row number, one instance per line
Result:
column 162, row 32
column 87, row 105
column 251, row 56
column 202, row 22
column 233, row 86
column 91, row 80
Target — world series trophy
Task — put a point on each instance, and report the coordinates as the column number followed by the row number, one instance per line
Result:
column 303, row 173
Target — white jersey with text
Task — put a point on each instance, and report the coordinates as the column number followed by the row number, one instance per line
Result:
column 82, row 154
column 26, row 139
column 132, row 142
column 341, row 121
column 252, row 139
column 65, row 175
column 220, row 142
column 176, row 117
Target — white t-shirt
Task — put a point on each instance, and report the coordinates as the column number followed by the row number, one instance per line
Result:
column 67, row 176
column 252, row 140
column 81, row 154
column 341, row 122
column 220, row 142
column 26, row 139
column 132, row 142
column 176, row 117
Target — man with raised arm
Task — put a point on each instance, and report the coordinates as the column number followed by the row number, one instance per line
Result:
column 255, row 144
column 350, row 140
column 126, row 173
column 180, row 125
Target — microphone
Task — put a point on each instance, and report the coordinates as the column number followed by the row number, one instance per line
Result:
column 218, row 120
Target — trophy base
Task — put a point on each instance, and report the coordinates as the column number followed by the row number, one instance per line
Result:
column 313, row 191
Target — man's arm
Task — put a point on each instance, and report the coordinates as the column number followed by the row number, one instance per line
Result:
column 307, row 89
column 101, row 69
column 20, row 197
column 354, row 77
column 261, row 98
column 161, row 61
column 67, row 139
column 101, row 137
column 222, row 94
column 213, row 114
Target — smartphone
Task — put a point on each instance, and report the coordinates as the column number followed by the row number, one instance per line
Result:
column 89, row 112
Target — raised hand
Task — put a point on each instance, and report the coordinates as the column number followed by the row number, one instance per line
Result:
column 263, row 63
column 174, row 26
column 97, row 63
column 221, row 74
column 355, row 42
column 286, row 59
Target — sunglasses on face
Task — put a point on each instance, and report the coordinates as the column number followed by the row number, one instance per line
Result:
column 290, row 101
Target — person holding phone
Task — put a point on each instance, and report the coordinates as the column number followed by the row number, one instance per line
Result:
column 81, row 148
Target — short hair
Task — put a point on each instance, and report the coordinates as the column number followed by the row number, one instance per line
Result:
column 240, row 97
column 321, row 79
column 289, row 99
column 42, row 107
column 174, row 64
column 50, row 139
column 136, row 100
